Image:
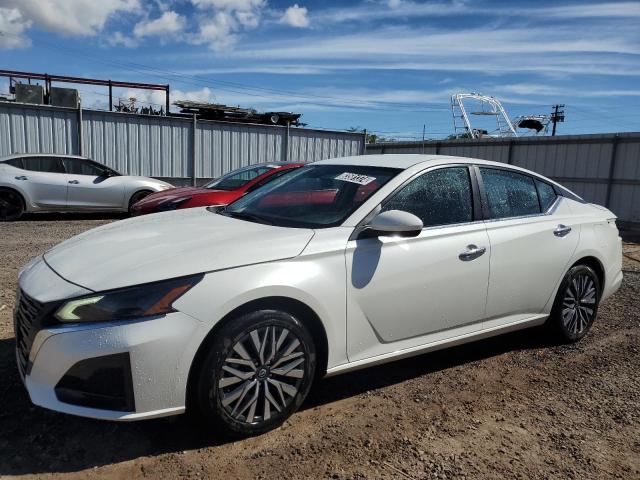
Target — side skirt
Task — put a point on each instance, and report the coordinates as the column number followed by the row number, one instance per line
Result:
column 439, row 345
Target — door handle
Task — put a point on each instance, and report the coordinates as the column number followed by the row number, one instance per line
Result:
column 561, row 230
column 21, row 177
column 74, row 182
column 471, row 253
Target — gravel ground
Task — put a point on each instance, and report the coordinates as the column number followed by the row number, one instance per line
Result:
column 515, row 406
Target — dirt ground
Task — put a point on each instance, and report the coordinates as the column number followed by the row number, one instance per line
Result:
column 515, row 406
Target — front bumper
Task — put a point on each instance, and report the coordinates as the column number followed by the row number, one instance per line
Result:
column 160, row 353
column 157, row 352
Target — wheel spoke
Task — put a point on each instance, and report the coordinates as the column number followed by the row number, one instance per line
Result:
column 262, row 374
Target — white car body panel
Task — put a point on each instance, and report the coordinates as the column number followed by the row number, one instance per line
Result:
column 173, row 243
column 528, row 245
column 55, row 192
column 382, row 284
column 377, row 299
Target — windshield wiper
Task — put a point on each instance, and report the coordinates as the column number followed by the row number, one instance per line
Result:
column 244, row 216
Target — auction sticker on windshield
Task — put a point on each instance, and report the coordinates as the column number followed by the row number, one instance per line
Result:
column 355, row 178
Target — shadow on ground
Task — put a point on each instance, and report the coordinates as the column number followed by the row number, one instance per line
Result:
column 34, row 440
column 71, row 216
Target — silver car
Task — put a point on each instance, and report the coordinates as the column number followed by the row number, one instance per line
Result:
column 55, row 183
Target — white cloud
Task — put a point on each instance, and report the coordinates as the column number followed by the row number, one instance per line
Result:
column 393, row 3
column 169, row 23
column 120, row 39
column 12, row 28
column 203, row 95
column 221, row 20
column 72, row 17
column 296, row 16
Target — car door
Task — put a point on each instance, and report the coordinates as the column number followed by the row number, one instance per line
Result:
column 90, row 187
column 532, row 239
column 405, row 292
column 44, row 180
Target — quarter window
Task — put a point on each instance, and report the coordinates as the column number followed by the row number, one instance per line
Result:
column 546, row 193
column 439, row 197
column 43, row 164
column 509, row 194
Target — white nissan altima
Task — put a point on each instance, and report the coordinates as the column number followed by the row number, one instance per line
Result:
column 340, row 265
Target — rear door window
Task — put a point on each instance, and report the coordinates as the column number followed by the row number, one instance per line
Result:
column 76, row 166
column 509, row 194
column 43, row 164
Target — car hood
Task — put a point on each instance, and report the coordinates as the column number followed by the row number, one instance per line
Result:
column 167, row 245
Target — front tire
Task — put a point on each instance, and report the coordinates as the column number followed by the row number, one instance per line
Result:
column 257, row 372
column 576, row 304
column 12, row 205
column 136, row 197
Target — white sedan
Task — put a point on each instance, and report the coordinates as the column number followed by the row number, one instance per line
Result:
column 340, row 265
column 56, row 183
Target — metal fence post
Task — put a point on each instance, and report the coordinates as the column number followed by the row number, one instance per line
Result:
column 509, row 152
column 194, row 159
column 364, row 142
column 612, row 169
column 80, row 132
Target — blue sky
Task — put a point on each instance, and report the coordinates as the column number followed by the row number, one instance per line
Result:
column 386, row 65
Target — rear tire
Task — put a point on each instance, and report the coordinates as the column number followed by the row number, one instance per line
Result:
column 136, row 197
column 576, row 304
column 257, row 372
column 12, row 205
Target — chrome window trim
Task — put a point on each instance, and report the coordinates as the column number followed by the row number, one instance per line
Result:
column 550, row 211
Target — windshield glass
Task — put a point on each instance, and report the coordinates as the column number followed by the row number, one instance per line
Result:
column 314, row 196
column 238, row 178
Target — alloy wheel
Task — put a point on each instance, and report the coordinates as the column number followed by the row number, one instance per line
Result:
column 579, row 304
column 262, row 374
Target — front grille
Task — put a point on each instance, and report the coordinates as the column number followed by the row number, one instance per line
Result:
column 26, row 316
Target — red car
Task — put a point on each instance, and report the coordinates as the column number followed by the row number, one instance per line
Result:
column 221, row 191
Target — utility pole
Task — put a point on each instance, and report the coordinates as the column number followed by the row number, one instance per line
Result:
column 557, row 116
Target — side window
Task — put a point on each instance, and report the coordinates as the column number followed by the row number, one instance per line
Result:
column 546, row 193
column 509, row 194
column 268, row 179
column 43, row 164
column 75, row 166
column 439, row 197
column 15, row 162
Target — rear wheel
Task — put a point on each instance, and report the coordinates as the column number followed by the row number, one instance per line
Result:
column 576, row 304
column 257, row 372
column 11, row 205
column 136, row 197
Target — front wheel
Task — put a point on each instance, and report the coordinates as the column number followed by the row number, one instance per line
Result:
column 256, row 374
column 136, row 197
column 576, row 304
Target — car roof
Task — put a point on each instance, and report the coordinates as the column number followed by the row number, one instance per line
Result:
column 404, row 160
column 28, row 155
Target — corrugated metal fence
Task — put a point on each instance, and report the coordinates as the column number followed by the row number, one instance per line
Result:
column 179, row 149
column 603, row 169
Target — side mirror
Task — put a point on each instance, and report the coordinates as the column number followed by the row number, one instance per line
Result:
column 393, row 223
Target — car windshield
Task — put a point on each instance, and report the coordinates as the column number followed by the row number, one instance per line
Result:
column 238, row 178
column 314, row 196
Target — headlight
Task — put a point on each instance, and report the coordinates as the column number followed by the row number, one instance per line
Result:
column 172, row 204
column 124, row 304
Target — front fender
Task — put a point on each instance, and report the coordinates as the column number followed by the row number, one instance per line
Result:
column 317, row 285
